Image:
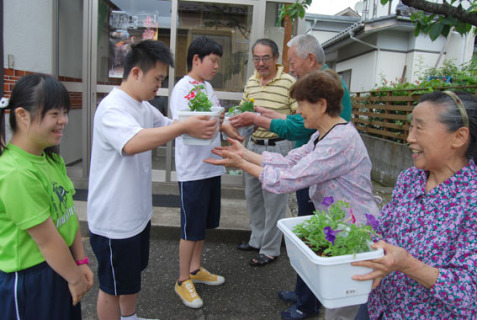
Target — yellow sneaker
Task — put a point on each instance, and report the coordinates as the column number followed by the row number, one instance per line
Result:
column 205, row 277
column 186, row 291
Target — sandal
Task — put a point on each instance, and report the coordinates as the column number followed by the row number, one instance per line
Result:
column 261, row 260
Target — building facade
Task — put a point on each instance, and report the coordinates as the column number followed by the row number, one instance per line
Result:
column 83, row 43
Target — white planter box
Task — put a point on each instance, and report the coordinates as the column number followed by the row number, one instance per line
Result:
column 328, row 278
column 189, row 140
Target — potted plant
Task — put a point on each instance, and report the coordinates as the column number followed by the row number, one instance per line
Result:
column 199, row 104
column 247, row 106
column 321, row 248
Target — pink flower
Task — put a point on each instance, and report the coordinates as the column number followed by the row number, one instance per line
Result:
column 353, row 218
column 190, row 95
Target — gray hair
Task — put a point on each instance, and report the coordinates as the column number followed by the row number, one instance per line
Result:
column 268, row 43
column 305, row 44
column 452, row 118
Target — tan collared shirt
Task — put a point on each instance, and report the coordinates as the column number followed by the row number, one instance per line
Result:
column 273, row 95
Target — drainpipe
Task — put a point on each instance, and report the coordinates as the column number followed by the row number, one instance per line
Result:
column 464, row 48
column 444, row 48
column 351, row 35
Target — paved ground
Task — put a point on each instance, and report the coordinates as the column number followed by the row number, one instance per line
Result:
column 248, row 292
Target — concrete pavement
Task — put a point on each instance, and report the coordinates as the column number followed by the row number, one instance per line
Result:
column 248, row 292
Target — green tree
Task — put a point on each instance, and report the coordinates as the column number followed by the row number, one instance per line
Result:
column 287, row 17
column 440, row 18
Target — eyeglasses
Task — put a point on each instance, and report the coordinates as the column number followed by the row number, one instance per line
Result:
column 264, row 59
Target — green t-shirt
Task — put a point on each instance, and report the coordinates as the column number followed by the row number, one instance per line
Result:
column 32, row 189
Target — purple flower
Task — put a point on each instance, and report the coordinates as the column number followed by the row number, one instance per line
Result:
column 327, row 201
column 330, row 234
column 372, row 221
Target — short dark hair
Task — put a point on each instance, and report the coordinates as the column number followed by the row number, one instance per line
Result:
column 202, row 46
column 269, row 43
column 146, row 54
column 37, row 94
column 316, row 85
column 452, row 118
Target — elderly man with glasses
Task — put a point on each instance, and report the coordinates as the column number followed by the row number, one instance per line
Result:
column 305, row 55
column 269, row 87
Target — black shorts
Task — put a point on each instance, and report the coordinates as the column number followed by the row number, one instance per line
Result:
column 36, row 293
column 121, row 261
column 200, row 207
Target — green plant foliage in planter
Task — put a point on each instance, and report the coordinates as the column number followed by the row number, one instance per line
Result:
column 247, row 106
column 198, row 100
column 329, row 234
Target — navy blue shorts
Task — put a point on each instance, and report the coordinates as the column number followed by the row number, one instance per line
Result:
column 200, row 207
column 121, row 261
column 36, row 293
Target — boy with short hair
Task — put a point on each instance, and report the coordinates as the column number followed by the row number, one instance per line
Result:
column 126, row 129
column 199, row 182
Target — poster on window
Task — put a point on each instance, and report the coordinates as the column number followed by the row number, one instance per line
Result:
column 127, row 30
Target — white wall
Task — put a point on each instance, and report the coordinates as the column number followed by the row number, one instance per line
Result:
column 362, row 74
column 28, row 35
column 323, row 36
column 71, row 38
column 390, row 67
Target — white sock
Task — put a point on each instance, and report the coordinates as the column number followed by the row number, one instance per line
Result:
column 133, row 317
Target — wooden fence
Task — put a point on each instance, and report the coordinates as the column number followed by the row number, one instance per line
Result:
column 386, row 114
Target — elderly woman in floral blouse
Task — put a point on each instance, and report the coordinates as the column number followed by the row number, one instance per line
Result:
column 334, row 162
column 429, row 228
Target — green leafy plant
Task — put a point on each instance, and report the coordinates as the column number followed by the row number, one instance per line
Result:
column 198, row 100
column 329, row 234
column 247, row 106
column 295, row 10
column 437, row 18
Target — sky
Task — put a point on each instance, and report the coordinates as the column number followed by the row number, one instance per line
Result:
column 330, row 7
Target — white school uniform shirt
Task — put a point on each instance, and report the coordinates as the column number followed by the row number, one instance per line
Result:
column 120, row 192
column 190, row 165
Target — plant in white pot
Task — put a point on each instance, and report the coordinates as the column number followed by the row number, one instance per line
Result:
column 199, row 104
column 321, row 248
column 247, row 106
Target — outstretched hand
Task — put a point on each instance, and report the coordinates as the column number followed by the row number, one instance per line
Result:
column 202, row 127
column 232, row 156
column 231, row 131
column 395, row 259
column 269, row 113
column 244, row 119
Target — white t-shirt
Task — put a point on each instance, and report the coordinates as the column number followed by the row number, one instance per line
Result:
column 189, row 158
column 120, row 193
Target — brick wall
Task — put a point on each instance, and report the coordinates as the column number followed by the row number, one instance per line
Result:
column 11, row 76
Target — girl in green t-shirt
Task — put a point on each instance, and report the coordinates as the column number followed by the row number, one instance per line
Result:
column 44, row 272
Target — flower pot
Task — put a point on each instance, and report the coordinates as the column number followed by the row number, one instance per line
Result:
column 189, row 140
column 329, row 278
column 242, row 131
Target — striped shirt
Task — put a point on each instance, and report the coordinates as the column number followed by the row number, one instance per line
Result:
column 274, row 95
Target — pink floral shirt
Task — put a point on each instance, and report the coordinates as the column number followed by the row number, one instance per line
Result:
column 338, row 166
column 440, row 229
